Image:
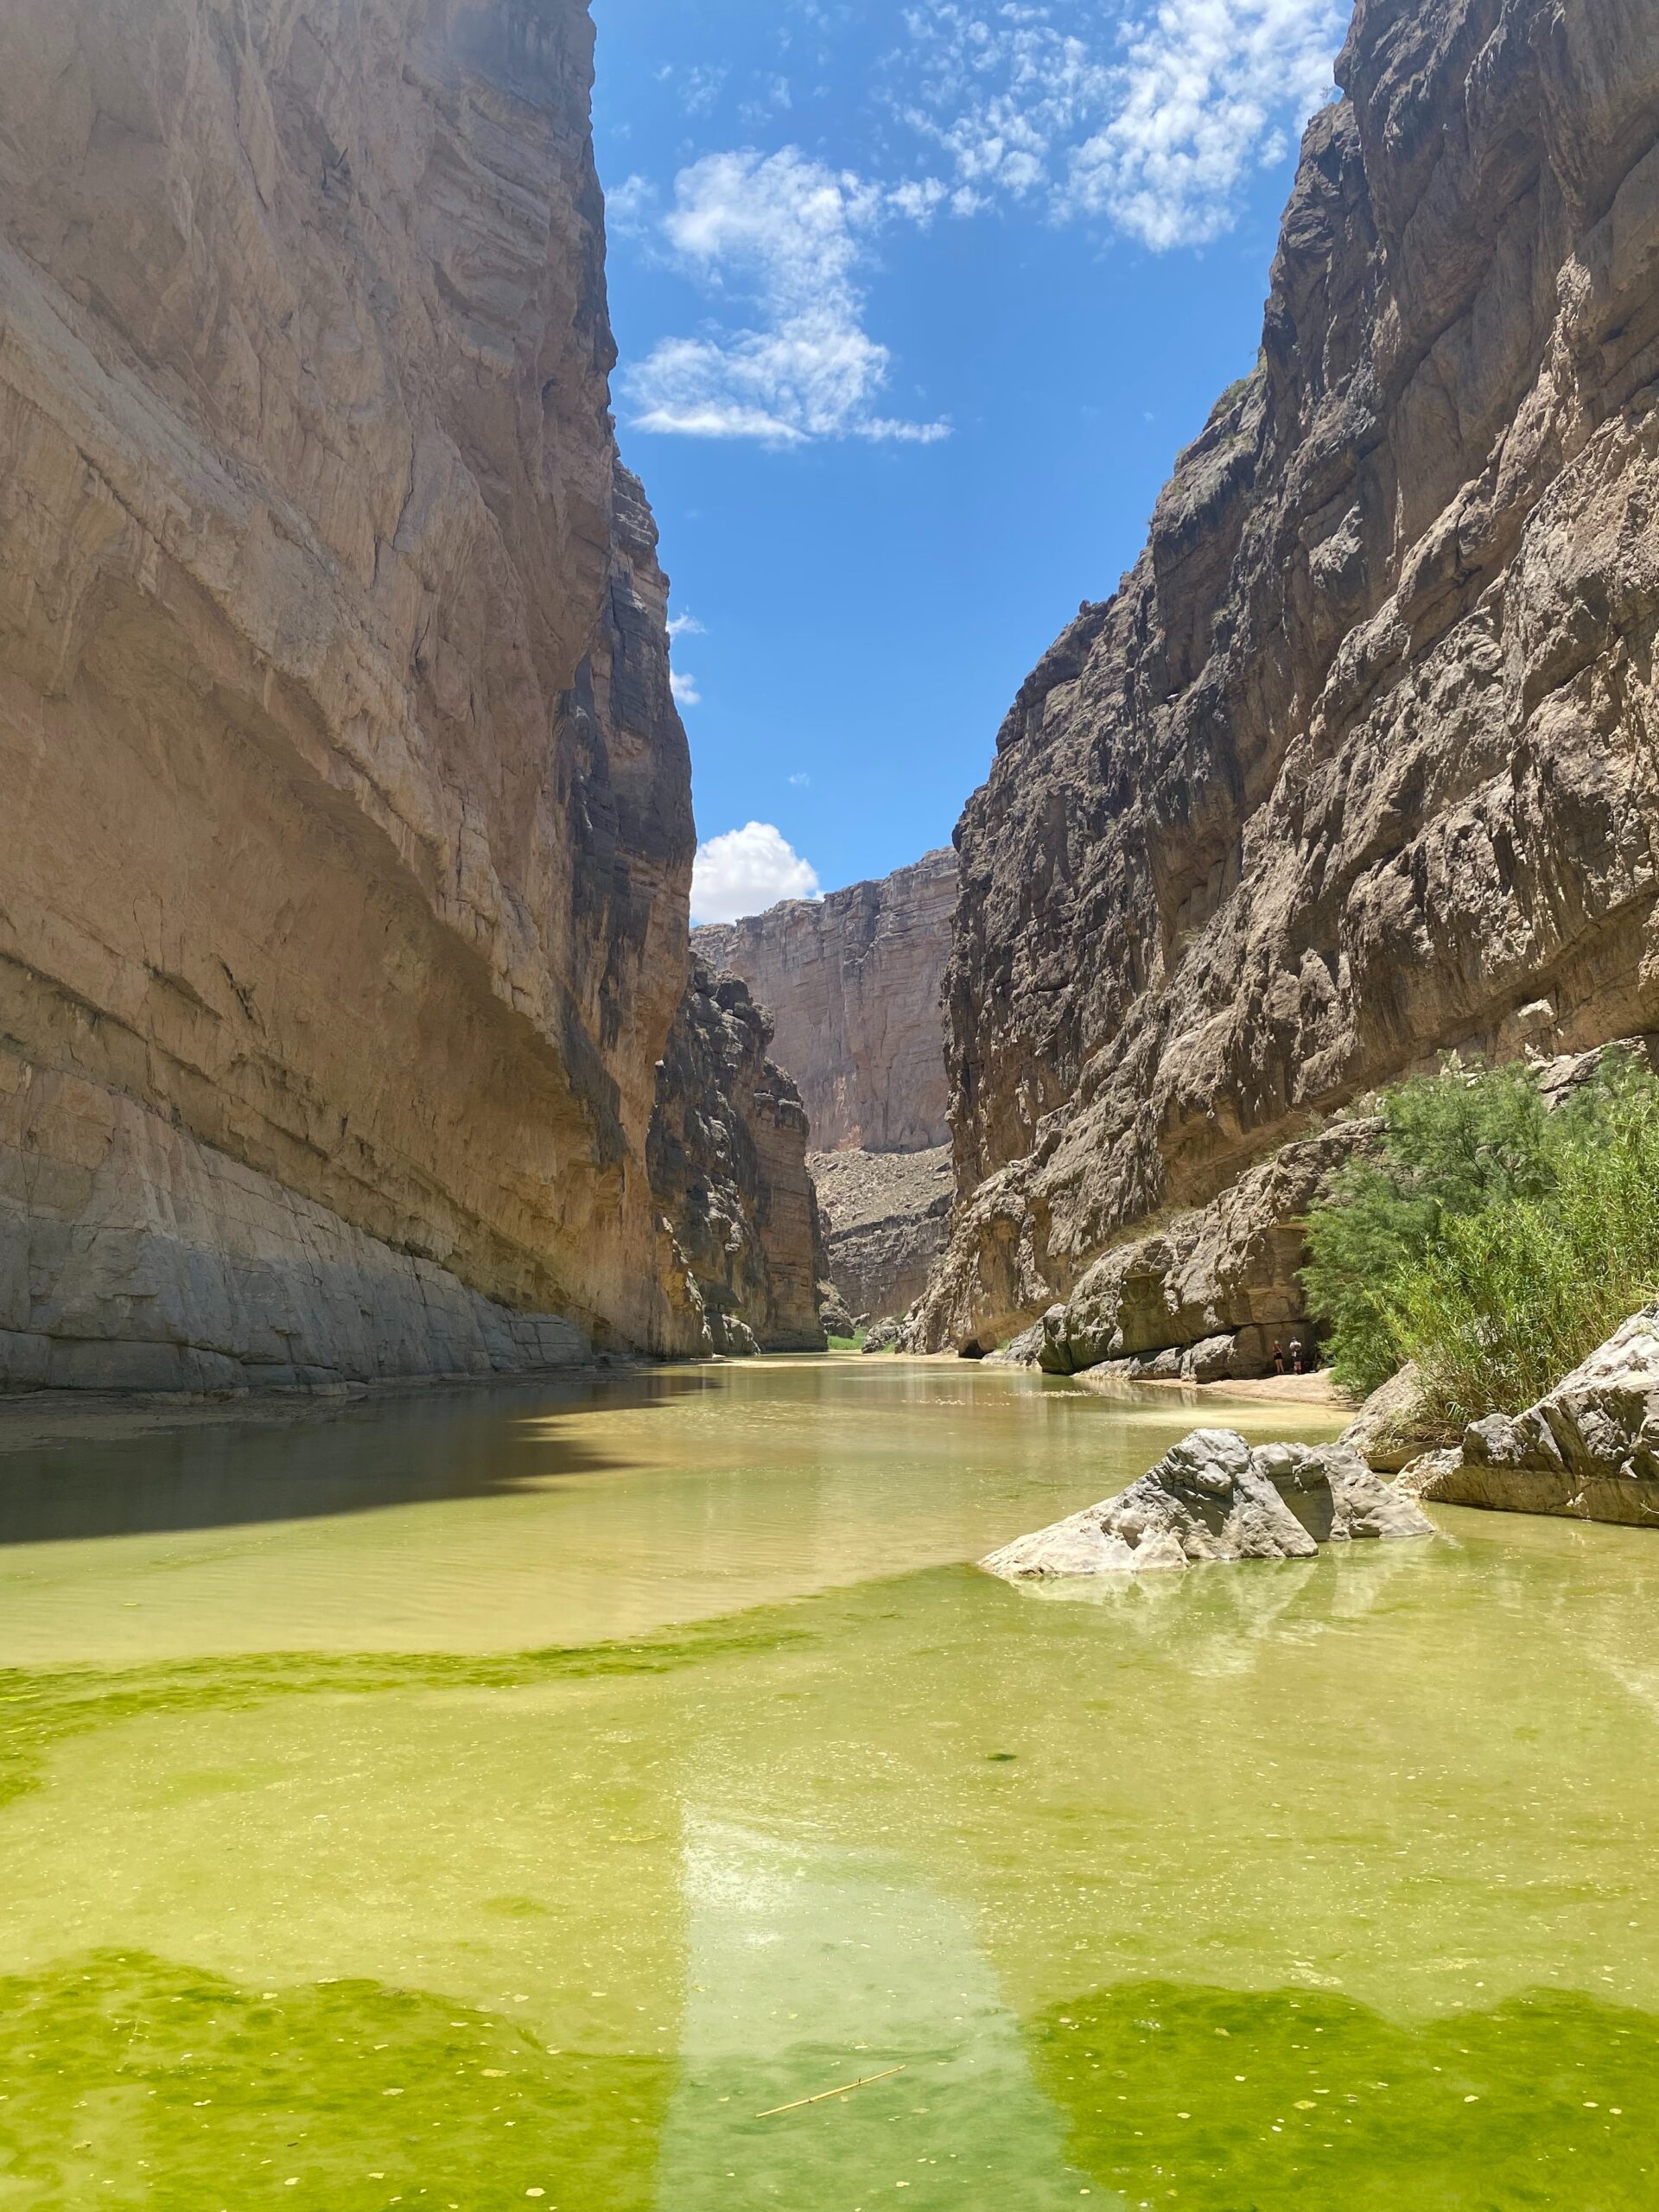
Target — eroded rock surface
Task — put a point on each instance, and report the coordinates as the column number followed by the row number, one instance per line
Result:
column 853, row 985
column 729, row 1167
column 886, row 1217
column 349, row 826
column 1589, row 1449
column 1214, row 1499
column 1205, row 1298
column 1358, row 763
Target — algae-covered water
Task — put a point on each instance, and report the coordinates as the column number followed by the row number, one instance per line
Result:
column 506, row 1799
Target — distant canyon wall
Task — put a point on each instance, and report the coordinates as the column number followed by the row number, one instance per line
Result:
column 1361, row 762
column 729, row 1166
column 853, row 985
column 343, row 904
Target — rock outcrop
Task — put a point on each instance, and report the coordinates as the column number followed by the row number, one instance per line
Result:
column 885, row 1215
column 343, row 914
column 1208, row 1295
column 1214, row 1499
column 1358, row 765
column 729, row 1166
column 852, row 983
column 1589, row 1451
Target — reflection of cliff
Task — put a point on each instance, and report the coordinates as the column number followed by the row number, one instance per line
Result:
column 729, row 1165
column 1358, row 765
column 852, row 983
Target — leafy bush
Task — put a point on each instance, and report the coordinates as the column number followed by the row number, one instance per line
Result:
column 1493, row 1241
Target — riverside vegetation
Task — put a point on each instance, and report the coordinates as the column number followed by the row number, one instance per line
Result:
column 1494, row 1239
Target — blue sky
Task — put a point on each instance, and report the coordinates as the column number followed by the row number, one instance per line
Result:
column 916, row 305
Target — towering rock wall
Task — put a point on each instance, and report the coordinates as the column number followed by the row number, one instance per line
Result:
column 729, row 1166
column 853, row 983
column 1361, row 761
column 342, row 907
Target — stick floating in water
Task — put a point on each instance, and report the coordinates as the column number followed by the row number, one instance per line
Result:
column 846, row 2089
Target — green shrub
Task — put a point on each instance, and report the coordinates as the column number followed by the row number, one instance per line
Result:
column 1494, row 1241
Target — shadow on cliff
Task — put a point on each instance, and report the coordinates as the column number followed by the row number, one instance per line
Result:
column 309, row 1465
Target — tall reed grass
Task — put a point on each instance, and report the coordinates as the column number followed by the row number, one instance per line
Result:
column 1493, row 1241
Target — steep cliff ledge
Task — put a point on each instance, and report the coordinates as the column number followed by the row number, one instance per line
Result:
column 1360, row 763
column 342, row 919
column 853, row 983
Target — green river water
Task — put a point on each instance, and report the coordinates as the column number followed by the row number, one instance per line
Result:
column 485, row 1800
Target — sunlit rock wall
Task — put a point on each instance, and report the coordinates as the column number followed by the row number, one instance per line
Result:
column 348, row 826
column 1358, row 765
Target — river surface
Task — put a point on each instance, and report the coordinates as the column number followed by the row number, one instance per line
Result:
column 499, row 1799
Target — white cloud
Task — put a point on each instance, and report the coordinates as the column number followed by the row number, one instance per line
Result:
column 1153, row 123
column 685, row 690
column 747, row 871
column 801, row 780
column 785, row 235
column 686, row 625
column 629, row 206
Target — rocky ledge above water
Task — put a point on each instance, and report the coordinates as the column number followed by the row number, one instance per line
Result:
column 1215, row 1499
column 1589, row 1451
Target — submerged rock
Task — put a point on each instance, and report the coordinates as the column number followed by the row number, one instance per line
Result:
column 1213, row 1499
column 1589, row 1449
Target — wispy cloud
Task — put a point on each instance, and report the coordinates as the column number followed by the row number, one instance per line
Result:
column 746, row 871
column 686, row 625
column 686, row 690
column 785, row 236
column 1152, row 120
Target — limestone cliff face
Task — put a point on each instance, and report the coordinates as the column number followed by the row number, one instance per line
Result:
column 853, row 985
column 729, row 1166
column 1361, row 761
column 342, row 909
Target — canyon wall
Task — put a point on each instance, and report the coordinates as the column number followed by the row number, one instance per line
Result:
column 343, row 908
column 727, row 1159
column 853, row 985
column 1361, row 762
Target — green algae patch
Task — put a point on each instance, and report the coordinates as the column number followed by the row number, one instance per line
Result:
column 39, row 1708
column 1297, row 2101
column 129, row 2081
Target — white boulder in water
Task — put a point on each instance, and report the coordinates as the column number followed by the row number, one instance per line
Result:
column 1214, row 1498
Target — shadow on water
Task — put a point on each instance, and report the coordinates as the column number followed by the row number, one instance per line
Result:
column 1296, row 2101
column 313, row 1462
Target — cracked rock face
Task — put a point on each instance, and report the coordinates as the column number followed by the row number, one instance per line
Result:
column 349, row 834
column 1212, row 1500
column 853, row 985
column 1360, row 763
column 729, row 1167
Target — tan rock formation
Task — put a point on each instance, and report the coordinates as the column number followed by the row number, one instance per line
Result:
column 886, row 1217
column 342, row 909
column 853, row 985
column 1358, row 765
column 729, row 1167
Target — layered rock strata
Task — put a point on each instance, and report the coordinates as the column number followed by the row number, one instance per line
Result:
column 1358, row 763
column 853, row 983
column 885, row 1215
column 729, row 1166
column 1212, row 1500
column 343, row 913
